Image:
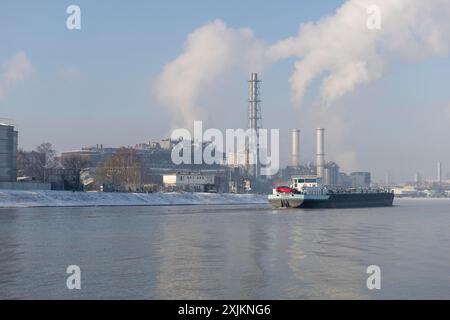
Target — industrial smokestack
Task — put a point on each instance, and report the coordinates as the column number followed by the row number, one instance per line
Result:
column 254, row 123
column 295, row 147
column 254, row 112
column 320, row 156
column 439, row 174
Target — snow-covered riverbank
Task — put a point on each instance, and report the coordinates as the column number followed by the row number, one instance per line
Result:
column 19, row 199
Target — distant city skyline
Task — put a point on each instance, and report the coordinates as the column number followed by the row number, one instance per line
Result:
column 136, row 71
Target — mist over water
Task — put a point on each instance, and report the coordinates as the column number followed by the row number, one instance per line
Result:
column 226, row 252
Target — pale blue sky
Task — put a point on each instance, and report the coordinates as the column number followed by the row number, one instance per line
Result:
column 94, row 85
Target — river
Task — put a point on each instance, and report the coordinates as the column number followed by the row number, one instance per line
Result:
column 226, row 252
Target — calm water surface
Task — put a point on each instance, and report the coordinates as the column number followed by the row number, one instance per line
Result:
column 223, row 252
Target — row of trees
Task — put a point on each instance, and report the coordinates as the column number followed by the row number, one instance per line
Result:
column 34, row 163
column 122, row 171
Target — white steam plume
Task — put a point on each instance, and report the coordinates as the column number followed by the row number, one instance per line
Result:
column 347, row 53
column 209, row 52
column 15, row 70
column 338, row 49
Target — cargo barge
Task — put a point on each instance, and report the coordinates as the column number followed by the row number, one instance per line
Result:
column 306, row 192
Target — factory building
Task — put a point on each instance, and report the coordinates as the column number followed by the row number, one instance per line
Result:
column 360, row 179
column 93, row 155
column 63, row 179
column 331, row 174
column 8, row 161
column 418, row 179
column 8, row 152
column 155, row 162
column 344, row 180
column 189, row 181
column 326, row 173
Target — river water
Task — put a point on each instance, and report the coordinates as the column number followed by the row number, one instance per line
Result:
column 226, row 252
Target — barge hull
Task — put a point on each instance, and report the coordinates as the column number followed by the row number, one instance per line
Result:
column 358, row 200
column 351, row 201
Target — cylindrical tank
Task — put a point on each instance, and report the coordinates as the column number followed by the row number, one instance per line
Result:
column 8, row 153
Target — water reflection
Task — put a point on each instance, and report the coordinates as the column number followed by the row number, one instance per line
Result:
column 9, row 250
column 225, row 252
column 209, row 257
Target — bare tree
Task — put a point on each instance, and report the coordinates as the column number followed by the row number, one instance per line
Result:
column 24, row 163
column 48, row 154
column 122, row 172
column 75, row 162
column 33, row 163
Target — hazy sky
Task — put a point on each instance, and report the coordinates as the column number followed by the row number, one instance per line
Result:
column 136, row 70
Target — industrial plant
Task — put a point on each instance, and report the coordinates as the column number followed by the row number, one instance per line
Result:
column 148, row 167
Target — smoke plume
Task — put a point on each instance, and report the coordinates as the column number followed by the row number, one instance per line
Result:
column 209, row 53
column 339, row 50
column 343, row 50
column 15, row 70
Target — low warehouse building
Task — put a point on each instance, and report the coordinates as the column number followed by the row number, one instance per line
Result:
column 193, row 182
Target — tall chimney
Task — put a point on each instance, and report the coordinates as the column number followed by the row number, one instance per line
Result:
column 439, row 173
column 254, row 123
column 295, row 147
column 254, row 116
column 320, row 156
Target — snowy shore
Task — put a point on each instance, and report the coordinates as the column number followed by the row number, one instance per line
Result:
column 38, row 198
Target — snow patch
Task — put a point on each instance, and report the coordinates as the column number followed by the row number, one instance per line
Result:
column 45, row 198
